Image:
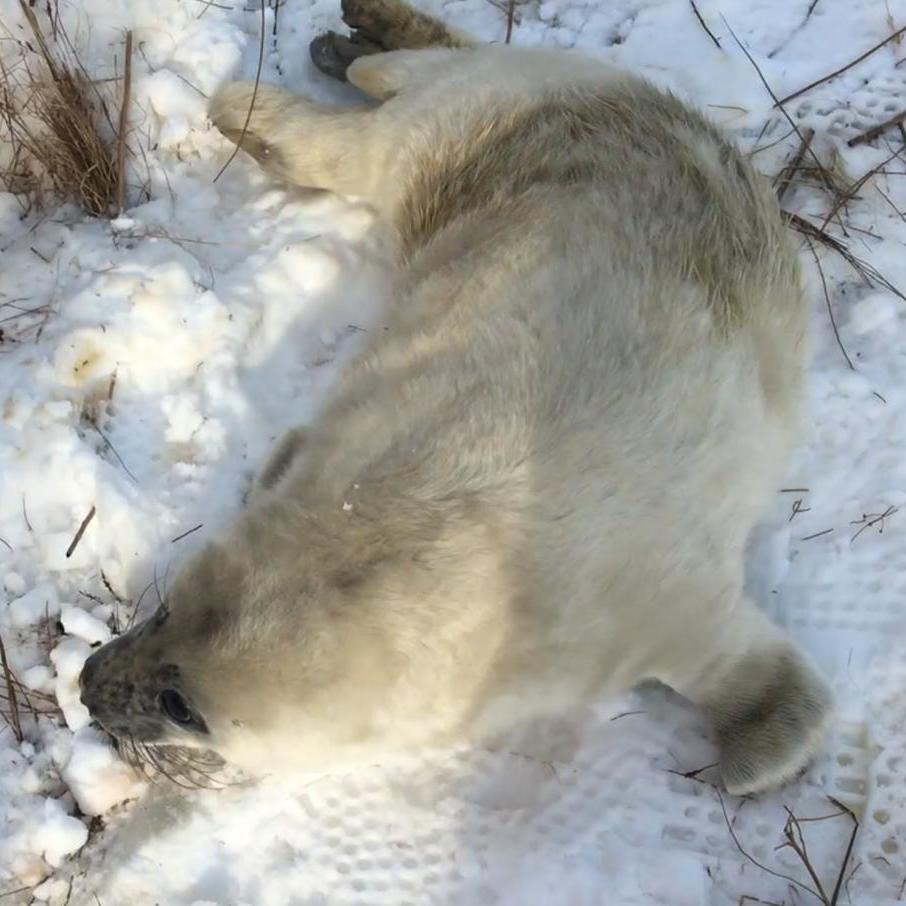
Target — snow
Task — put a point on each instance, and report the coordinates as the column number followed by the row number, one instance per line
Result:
column 167, row 350
column 68, row 658
column 33, row 606
column 97, row 779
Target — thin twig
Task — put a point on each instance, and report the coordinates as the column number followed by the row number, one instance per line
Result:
column 825, row 177
column 842, row 69
column 626, row 714
column 704, row 24
column 868, row 273
column 510, row 16
column 871, row 134
column 797, row 844
column 185, row 534
column 753, row 860
column 835, row 895
column 798, row 508
column 208, row 4
column 15, row 723
column 248, row 115
column 889, row 201
column 870, row 520
column 788, row 173
column 109, row 587
column 851, row 192
column 78, row 535
column 756, row 150
column 112, row 449
column 827, row 302
column 693, row 774
column 123, row 124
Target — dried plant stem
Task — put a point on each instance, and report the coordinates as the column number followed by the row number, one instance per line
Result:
column 753, row 860
column 81, row 531
column 185, row 534
column 248, row 115
column 57, row 124
column 794, row 840
column 123, row 124
column 825, row 177
column 842, row 69
column 510, row 16
column 704, row 25
column 788, row 174
column 869, row 274
column 871, row 134
column 14, row 721
column 870, row 520
column 827, row 302
column 835, row 895
column 792, row 832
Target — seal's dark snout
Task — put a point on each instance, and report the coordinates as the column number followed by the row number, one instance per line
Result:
column 95, row 685
column 89, row 668
column 119, row 693
column 87, row 677
column 105, row 696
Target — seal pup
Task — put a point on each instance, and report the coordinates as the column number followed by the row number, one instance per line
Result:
column 536, row 484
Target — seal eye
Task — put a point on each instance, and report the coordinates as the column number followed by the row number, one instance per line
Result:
column 175, row 707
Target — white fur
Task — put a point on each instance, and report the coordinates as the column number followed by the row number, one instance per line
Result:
column 536, row 484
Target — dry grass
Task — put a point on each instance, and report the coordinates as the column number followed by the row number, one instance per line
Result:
column 809, row 881
column 57, row 125
column 10, row 712
column 20, row 706
column 805, row 162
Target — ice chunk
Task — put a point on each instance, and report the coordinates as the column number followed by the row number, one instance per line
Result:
column 83, row 625
column 68, row 658
column 96, row 777
column 34, row 605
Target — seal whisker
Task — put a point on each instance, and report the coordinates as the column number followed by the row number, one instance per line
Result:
column 182, row 767
column 129, row 751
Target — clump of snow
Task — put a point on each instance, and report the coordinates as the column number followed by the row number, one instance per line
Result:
column 31, row 848
column 96, row 777
column 68, row 658
column 82, row 625
column 33, row 606
column 57, row 834
column 40, row 678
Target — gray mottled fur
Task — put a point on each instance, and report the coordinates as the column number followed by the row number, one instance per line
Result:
column 537, row 483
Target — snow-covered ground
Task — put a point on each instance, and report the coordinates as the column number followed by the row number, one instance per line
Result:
column 147, row 364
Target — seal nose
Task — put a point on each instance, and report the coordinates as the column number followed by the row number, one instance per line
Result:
column 89, row 670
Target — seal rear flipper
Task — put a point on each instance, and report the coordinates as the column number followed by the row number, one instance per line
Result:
column 378, row 26
column 775, row 724
column 769, row 706
column 332, row 53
